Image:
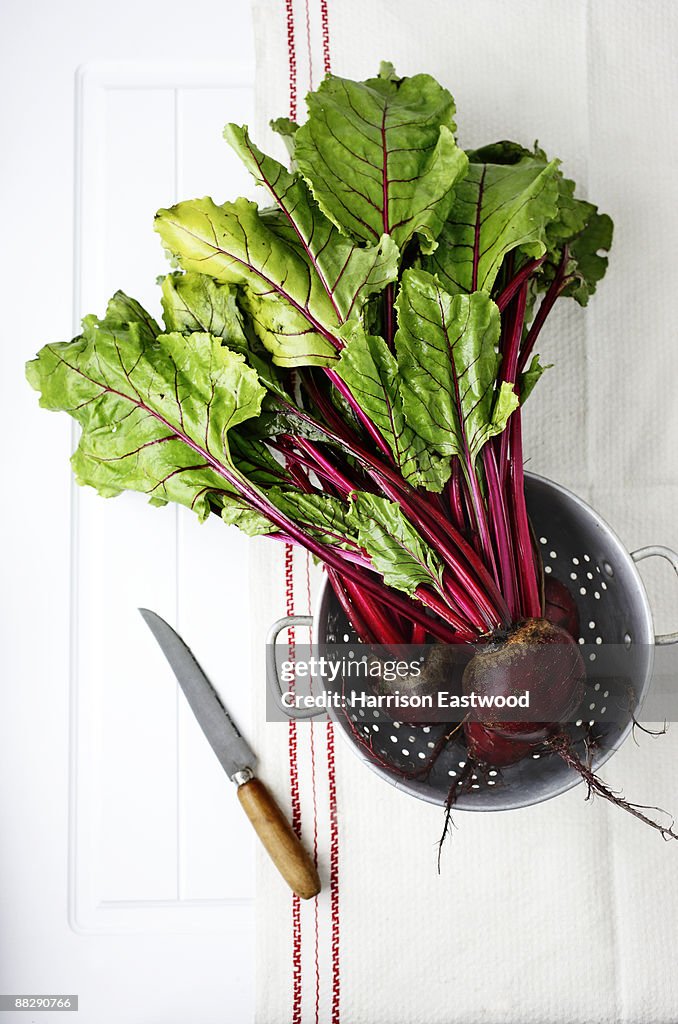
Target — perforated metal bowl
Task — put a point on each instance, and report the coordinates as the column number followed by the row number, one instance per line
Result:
column 580, row 550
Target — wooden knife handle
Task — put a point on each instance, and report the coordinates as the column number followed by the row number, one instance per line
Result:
column 281, row 843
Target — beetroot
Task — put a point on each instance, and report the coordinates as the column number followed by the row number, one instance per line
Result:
column 489, row 747
column 560, row 607
column 537, row 657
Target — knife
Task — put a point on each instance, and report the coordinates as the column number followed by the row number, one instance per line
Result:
column 238, row 760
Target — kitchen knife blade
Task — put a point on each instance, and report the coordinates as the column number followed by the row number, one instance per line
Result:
column 233, row 751
column 237, row 758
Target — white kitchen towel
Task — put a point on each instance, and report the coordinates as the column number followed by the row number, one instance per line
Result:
column 567, row 911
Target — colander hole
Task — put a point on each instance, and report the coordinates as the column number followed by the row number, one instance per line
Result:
column 406, row 752
column 597, row 686
column 592, row 707
column 412, row 739
column 606, row 694
column 543, row 540
column 452, row 772
column 599, row 640
column 596, row 595
column 396, row 725
column 421, row 754
column 462, row 764
column 592, row 656
column 394, row 739
column 375, row 713
column 581, row 640
column 376, row 728
column 627, row 640
column 490, row 782
column 361, row 713
column 578, row 723
column 347, row 638
column 431, row 746
column 603, row 710
column 427, row 728
column 536, row 756
column 354, row 717
column 592, row 722
column 604, row 585
column 582, row 590
column 547, row 569
column 492, row 772
column 552, row 554
column 589, row 575
column 475, row 786
column 586, row 558
column 608, row 570
column 573, row 575
column 575, row 561
column 592, row 624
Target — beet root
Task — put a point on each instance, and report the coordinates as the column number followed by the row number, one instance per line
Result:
column 560, row 608
column 490, row 747
column 538, row 657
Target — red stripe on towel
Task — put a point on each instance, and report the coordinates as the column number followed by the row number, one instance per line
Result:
column 294, row 796
column 292, row 57
column 334, row 876
column 325, row 22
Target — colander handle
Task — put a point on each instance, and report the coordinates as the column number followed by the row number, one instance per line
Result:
column 272, row 677
column 661, row 552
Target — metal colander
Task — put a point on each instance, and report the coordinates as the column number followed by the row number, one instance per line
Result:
column 579, row 549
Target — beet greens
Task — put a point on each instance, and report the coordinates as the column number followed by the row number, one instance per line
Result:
column 344, row 368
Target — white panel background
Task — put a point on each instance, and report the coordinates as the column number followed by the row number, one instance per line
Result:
column 126, row 868
column 155, row 826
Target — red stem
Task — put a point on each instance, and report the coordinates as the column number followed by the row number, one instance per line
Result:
column 512, row 287
column 524, row 555
column 559, row 282
column 499, row 521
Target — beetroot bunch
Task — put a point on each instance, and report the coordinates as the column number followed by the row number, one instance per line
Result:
column 344, row 365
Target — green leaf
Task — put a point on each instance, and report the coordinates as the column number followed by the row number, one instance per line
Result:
column 504, row 152
column 348, row 272
column 323, row 516
column 278, row 417
column 193, row 302
column 291, row 311
column 446, row 349
column 123, row 310
column 497, row 208
column 380, row 156
column 235, row 512
column 397, row 551
column 587, row 265
column 155, row 414
column 251, row 456
column 529, row 378
column 576, row 223
column 371, row 372
column 286, row 128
